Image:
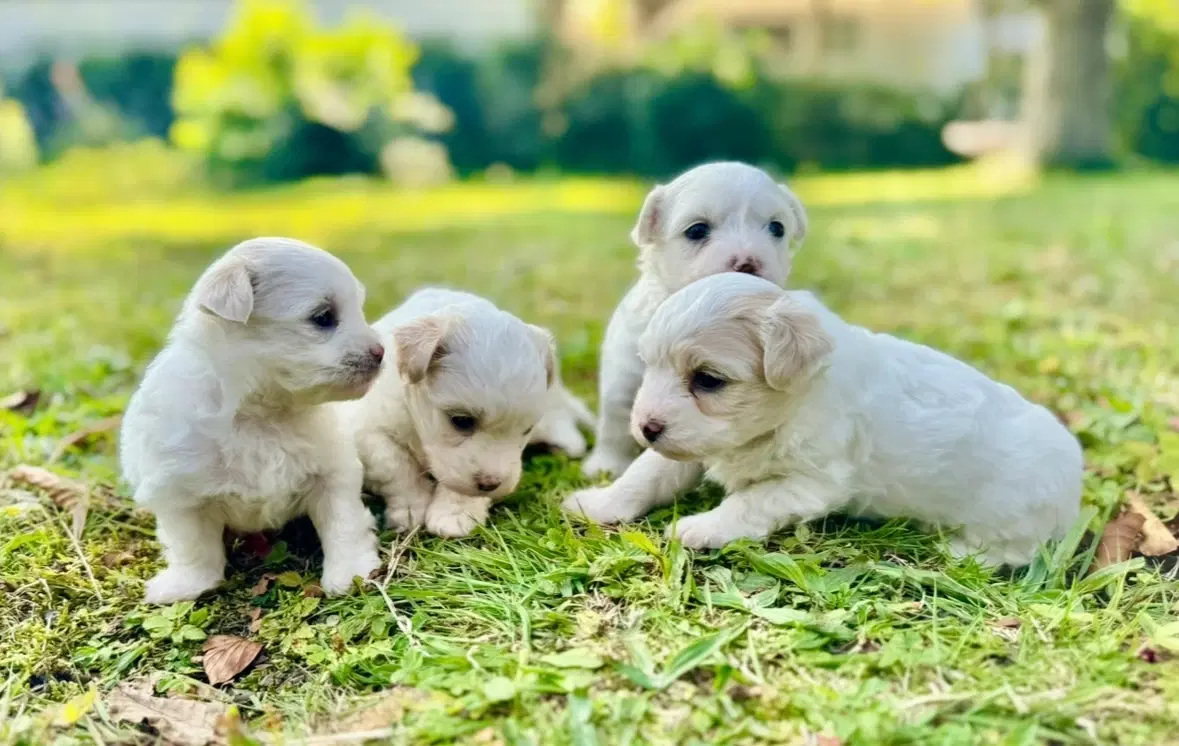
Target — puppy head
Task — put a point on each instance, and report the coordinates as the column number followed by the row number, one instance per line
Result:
column 291, row 317
column 719, row 217
column 724, row 356
column 476, row 383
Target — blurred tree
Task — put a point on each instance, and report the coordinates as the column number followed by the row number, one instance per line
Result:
column 18, row 145
column 1066, row 105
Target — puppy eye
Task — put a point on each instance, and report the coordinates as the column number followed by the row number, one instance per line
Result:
column 464, row 423
column 325, row 318
column 697, row 231
column 776, row 229
column 706, row 382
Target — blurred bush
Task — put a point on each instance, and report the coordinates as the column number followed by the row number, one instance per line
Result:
column 18, row 144
column 1147, row 101
column 278, row 99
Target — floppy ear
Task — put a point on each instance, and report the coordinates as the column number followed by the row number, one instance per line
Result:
column 643, row 234
column 793, row 343
column 548, row 346
column 797, row 229
column 226, row 290
column 419, row 346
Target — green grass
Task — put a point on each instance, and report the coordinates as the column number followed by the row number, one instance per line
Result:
column 539, row 630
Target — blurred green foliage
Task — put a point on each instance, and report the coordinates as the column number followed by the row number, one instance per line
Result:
column 277, row 98
column 18, row 145
column 1147, row 103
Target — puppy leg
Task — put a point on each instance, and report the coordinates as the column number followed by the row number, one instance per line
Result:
column 651, row 480
column 559, row 427
column 194, row 551
column 345, row 528
column 758, row 511
column 452, row 515
column 393, row 473
column 619, row 380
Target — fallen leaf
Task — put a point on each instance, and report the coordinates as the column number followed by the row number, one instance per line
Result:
column 1156, row 539
column 313, row 590
column 21, row 402
column 180, row 722
column 376, row 713
column 117, row 559
column 262, row 585
column 225, row 656
column 76, row 437
column 1007, row 622
column 65, row 493
column 1118, row 540
column 255, row 616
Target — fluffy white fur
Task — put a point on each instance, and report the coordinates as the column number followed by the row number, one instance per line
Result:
column 230, row 426
column 797, row 413
column 443, row 429
column 750, row 224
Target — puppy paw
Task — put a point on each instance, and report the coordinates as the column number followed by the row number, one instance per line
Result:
column 606, row 462
column 339, row 573
column 180, row 584
column 404, row 517
column 708, row 531
column 454, row 520
column 601, row 505
column 559, row 430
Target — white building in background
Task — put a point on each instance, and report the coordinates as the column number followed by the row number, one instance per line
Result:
column 31, row 28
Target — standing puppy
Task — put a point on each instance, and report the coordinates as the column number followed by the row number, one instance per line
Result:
column 719, row 217
column 229, row 427
column 442, row 432
column 797, row 413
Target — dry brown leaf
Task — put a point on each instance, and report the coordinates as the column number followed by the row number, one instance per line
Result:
column 76, row 437
column 313, row 590
column 21, row 402
column 1119, row 539
column 1156, row 538
column 117, row 559
column 1007, row 622
column 225, row 656
column 65, row 493
column 255, row 616
column 377, row 712
column 180, row 722
column 262, row 585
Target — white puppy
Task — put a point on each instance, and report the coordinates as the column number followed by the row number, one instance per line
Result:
column 797, row 413
column 442, row 431
column 229, row 427
column 719, row 217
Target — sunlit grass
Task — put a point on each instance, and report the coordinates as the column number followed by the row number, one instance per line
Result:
column 532, row 632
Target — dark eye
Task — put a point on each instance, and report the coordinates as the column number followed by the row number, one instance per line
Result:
column 325, row 319
column 464, row 423
column 776, row 229
column 697, row 231
column 706, row 382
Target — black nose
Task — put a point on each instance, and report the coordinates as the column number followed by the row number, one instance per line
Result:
column 652, row 429
column 486, row 483
column 746, row 267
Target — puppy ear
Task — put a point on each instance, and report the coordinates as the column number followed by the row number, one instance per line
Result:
column 227, row 290
column 643, row 234
column 797, row 229
column 419, row 345
column 548, row 346
column 793, row 343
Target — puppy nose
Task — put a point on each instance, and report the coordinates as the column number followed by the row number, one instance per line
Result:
column 746, row 266
column 652, row 429
column 377, row 351
column 486, row 483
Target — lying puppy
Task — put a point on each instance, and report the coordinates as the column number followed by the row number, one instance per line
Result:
column 229, row 427
column 719, row 217
column 442, row 431
column 797, row 413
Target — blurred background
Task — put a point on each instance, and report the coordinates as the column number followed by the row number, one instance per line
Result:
column 248, row 92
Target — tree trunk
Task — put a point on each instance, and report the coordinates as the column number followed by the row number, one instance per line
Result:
column 1067, row 96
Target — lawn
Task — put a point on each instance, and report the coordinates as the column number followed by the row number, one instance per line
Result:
column 539, row 630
